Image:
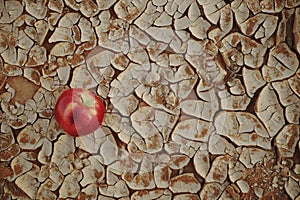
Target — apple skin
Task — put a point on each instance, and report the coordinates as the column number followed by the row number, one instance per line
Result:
column 79, row 112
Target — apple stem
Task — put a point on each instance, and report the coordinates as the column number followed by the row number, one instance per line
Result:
column 81, row 98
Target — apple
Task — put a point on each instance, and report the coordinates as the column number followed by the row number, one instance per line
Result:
column 79, row 112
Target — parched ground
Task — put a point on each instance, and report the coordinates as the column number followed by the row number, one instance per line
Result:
column 202, row 98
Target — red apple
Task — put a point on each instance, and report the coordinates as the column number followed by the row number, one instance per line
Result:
column 79, row 111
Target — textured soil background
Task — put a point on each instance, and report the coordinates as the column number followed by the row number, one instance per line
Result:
column 202, row 98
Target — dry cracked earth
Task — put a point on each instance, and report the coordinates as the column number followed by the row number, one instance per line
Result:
column 202, row 98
